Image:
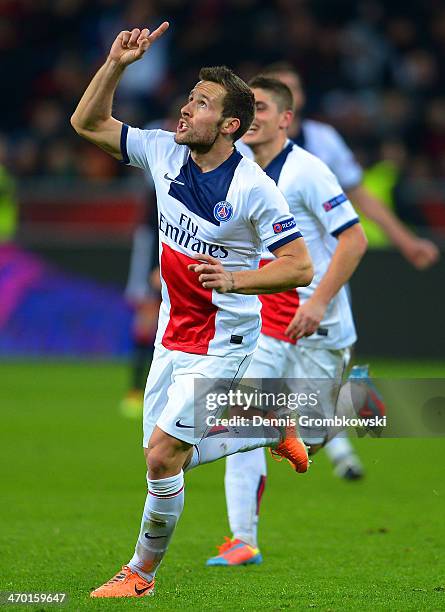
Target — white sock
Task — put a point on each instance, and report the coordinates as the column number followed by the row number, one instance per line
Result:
column 351, row 398
column 230, row 441
column 244, row 482
column 338, row 448
column 163, row 507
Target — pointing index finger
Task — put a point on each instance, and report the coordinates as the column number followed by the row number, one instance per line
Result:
column 159, row 31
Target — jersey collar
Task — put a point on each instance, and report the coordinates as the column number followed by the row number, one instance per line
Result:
column 274, row 167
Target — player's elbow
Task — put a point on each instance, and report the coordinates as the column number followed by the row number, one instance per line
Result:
column 84, row 129
column 363, row 244
column 360, row 242
column 300, row 270
column 301, row 273
column 305, row 273
column 76, row 124
column 355, row 241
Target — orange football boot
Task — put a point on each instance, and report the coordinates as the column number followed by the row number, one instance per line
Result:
column 293, row 449
column 125, row 583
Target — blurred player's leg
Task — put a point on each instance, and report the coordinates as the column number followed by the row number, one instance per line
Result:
column 143, row 354
column 244, row 489
column 357, row 397
column 241, row 474
column 144, row 331
column 142, row 293
column 339, row 449
column 245, row 477
column 344, row 459
column 331, row 364
column 244, row 483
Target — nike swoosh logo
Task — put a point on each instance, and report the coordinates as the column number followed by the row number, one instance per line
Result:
column 149, row 537
column 179, row 424
column 172, row 180
column 141, row 591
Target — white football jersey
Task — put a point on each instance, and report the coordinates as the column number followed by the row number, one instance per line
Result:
column 322, row 212
column 323, row 141
column 230, row 213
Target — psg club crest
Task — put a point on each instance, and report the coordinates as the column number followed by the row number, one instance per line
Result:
column 223, row 211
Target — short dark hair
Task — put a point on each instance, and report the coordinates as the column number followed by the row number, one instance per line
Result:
column 280, row 92
column 238, row 101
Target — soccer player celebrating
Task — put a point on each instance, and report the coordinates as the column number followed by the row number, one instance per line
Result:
column 214, row 207
column 324, row 331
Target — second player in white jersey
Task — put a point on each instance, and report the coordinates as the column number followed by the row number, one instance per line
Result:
column 323, row 211
column 323, row 141
column 336, row 243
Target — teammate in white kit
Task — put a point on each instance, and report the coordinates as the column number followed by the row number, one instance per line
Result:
column 336, row 243
column 323, row 141
column 220, row 208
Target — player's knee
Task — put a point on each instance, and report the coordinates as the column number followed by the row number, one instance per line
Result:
column 165, row 456
column 158, row 463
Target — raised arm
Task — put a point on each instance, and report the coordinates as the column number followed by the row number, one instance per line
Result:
column 92, row 118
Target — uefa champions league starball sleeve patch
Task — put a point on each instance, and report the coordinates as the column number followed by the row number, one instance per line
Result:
column 330, row 204
column 283, row 226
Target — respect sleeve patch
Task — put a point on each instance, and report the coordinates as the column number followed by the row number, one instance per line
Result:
column 283, row 226
column 330, row 204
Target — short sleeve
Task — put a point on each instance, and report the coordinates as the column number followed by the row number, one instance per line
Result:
column 138, row 147
column 272, row 219
column 342, row 161
column 324, row 196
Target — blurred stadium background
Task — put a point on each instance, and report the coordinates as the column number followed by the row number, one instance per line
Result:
column 373, row 69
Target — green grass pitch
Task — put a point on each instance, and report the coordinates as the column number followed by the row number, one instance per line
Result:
column 73, row 486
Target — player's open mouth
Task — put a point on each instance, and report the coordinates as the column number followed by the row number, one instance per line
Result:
column 252, row 129
column 182, row 126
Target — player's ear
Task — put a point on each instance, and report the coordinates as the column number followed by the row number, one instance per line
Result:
column 286, row 119
column 230, row 125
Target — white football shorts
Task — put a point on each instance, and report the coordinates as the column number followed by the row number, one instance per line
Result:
column 171, row 399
